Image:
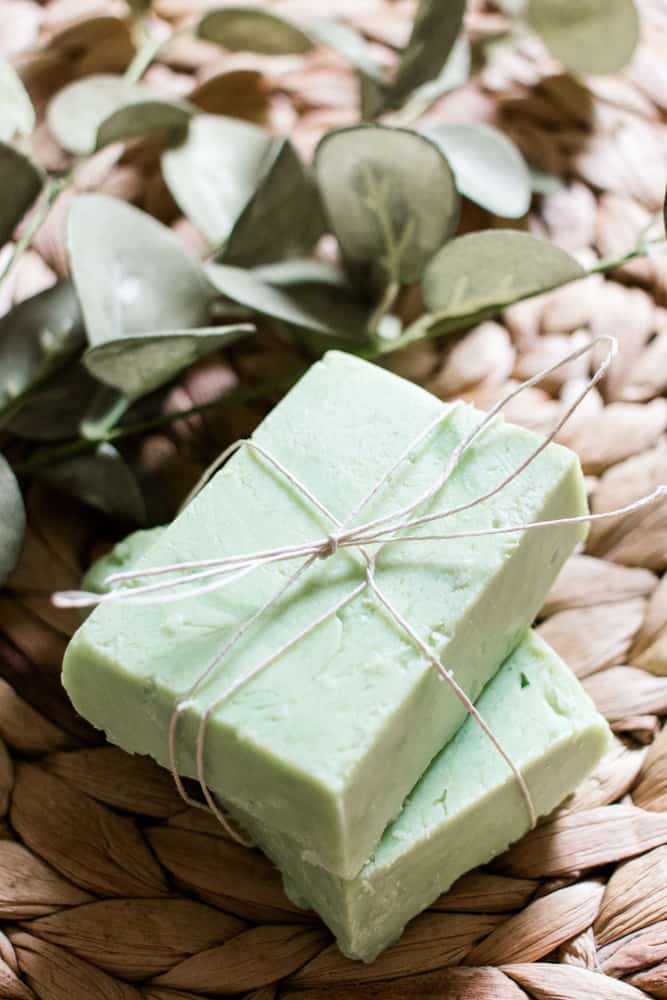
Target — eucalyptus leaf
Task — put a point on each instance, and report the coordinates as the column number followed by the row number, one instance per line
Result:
column 348, row 42
column 20, row 183
column 36, row 338
column 284, row 215
column 141, row 117
column 17, row 115
column 215, row 171
column 453, row 74
column 54, row 410
column 390, row 198
column 513, row 8
column 12, row 520
column 491, row 269
column 101, row 479
column 543, row 182
column 435, row 29
column 372, row 96
column 303, row 271
column 250, row 29
column 77, row 111
column 131, row 273
column 107, row 408
column 587, row 36
column 139, row 363
column 302, row 299
column 487, row 166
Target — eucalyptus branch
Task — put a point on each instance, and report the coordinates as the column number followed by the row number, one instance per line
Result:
column 70, row 449
column 429, row 325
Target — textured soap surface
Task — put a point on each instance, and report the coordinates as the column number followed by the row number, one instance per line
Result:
column 467, row 807
column 326, row 744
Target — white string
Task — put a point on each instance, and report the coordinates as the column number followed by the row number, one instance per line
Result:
column 379, row 532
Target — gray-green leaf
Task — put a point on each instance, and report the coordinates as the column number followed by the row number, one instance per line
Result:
column 12, row 520
column 453, row 74
column 54, row 410
column 303, row 294
column 77, row 111
column 36, row 338
column 215, row 171
column 17, row 115
column 435, row 29
column 20, row 183
column 101, row 479
column 491, row 269
column 390, row 198
column 141, row 362
column 488, row 167
column 131, row 273
column 141, row 117
column 348, row 42
column 283, row 217
column 249, row 29
column 587, row 36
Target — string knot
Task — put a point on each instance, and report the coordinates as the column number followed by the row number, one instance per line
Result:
column 330, row 547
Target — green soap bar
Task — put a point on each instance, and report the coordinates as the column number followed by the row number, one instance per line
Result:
column 465, row 810
column 327, row 742
column 122, row 556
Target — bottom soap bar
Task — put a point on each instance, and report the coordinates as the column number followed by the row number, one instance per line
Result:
column 465, row 810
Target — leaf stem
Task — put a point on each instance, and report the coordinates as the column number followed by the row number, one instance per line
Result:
column 384, row 305
column 49, row 194
column 611, row 263
column 143, row 57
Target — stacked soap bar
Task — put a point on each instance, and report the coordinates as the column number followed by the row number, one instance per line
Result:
column 465, row 810
column 323, row 747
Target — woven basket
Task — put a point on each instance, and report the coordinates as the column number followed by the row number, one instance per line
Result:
column 109, row 888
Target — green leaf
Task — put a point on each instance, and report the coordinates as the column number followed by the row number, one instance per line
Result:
column 36, row 338
column 542, row 182
column 513, row 8
column 107, row 408
column 302, row 294
column 304, row 271
column 487, row 166
column 141, row 362
column 20, row 183
column 390, row 198
column 249, row 29
column 454, row 74
column 101, row 479
column 17, row 115
column 77, row 111
column 138, row 282
column 435, row 29
column 587, row 36
column 283, row 217
column 131, row 273
column 142, row 117
column 348, row 42
column 491, row 269
column 215, row 171
column 12, row 520
column 54, row 411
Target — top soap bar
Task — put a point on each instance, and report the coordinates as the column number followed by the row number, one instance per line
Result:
column 328, row 741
